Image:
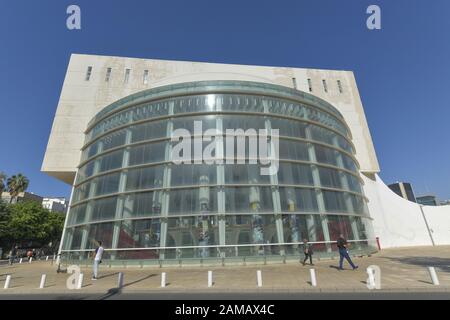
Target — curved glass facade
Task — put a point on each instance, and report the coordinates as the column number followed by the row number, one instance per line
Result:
column 129, row 194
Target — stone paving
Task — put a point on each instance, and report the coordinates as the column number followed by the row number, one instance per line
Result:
column 401, row 270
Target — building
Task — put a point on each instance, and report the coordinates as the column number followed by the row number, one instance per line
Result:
column 58, row 204
column 404, row 190
column 111, row 140
column 21, row 197
column 428, row 200
column 445, row 203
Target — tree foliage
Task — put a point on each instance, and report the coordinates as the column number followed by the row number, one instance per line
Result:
column 26, row 222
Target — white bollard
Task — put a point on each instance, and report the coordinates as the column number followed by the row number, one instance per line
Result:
column 163, row 280
column 7, row 282
column 371, row 278
column 259, row 278
column 31, row 259
column 80, row 281
column 120, row 280
column 312, row 273
column 20, row 261
column 210, row 279
column 46, row 259
column 42, row 284
column 433, row 276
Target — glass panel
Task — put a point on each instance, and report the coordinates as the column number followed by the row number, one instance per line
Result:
column 293, row 150
column 107, row 184
column 111, row 161
column 104, row 209
column 148, row 131
column 289, row 128
column 245, row 174
column 298, row 199
column 248, row 199
column 193, row 201
column 295, row 173
column 250, row 229
column 193, row 174
column 100, row 232
column 143, row 204
column 77, row 214
column 140, row 233
column 149, row 153
column 334, row 201
column 145, row 178
column 329, row 178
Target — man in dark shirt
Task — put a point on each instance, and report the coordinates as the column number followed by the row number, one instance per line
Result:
column 343, row 252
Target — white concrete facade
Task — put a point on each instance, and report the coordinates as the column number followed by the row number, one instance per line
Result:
column 397, row 222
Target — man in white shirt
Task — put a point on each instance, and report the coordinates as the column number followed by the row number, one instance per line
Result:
column 97, row 259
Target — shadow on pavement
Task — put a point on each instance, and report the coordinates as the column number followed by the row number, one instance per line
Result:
column 441, row 264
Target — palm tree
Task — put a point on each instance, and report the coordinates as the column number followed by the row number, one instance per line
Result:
column 16, row 184
column 2, row 182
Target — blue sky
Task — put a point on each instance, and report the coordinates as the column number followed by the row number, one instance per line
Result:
column 402, row 70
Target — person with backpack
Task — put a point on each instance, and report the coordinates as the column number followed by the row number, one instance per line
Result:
column 97, row 260
column 308, row 251
column 343, row 253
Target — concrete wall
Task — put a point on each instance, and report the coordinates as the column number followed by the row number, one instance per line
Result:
column 80, row 100
column 399, row 222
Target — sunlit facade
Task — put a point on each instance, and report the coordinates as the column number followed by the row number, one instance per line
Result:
column 145, row 209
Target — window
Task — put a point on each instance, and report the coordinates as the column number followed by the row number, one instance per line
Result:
column 340, row 86
column 145, row 78
column 88, row 73
column 294, row 82
column 108, row 74
column 310, row 85
column 325, row 88
column 127, row 75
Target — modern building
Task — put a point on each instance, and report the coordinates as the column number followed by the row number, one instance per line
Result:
column 404, row 190
column 55, row 204
column 112, row 140
column 427, row 200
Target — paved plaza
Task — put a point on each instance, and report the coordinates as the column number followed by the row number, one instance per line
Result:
column 402, row 270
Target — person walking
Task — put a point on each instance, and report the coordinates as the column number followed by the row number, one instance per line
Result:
column 308, row 251
column 342, row 245
column 12, row 255
column 97, row 260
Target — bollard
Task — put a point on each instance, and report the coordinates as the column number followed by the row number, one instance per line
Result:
column 433, row 276
column 7, row 281
column 259, row 278
column 312, row 273
column 31, row 259
column 42, row 284
column 163, row 280
column 378, row 243
column 120, row 280
column 80, row 281
column 20, row 261
column 210, row 279
column 46, row 259
column 371, row 278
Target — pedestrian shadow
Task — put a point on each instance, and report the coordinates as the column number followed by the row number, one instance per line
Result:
column 139, row 280
column 427, row 282
column 442, row 264
column 108, row 275
column 334, row 267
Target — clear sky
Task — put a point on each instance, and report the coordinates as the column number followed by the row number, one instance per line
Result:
column 402, row 70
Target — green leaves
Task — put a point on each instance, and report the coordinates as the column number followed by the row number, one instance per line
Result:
column 28, row 221
column 17, row 184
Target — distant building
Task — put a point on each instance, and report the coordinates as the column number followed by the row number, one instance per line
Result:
column 428, row 200
column 23, row 196
column 55, row 204
column 404, row 190
column 445, row 203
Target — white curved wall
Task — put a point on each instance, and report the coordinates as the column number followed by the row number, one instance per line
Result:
column 399, row 222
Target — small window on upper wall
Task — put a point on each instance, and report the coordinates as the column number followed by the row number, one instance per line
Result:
column 340, row 86
column 127, row 75
column 145, row 78
column 108, row 74
column 88, row 73
column 309, row 85
column 325, row 87
column 294, row 83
